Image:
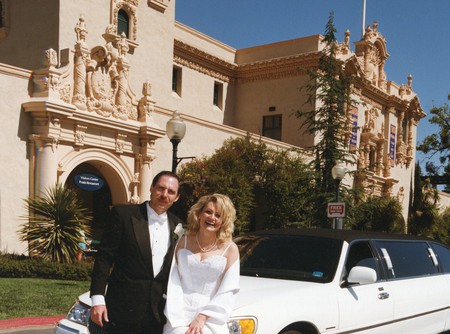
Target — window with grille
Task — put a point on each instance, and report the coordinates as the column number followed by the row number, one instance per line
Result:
column 272, row 126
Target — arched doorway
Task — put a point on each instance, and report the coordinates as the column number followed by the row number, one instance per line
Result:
column 97, row 199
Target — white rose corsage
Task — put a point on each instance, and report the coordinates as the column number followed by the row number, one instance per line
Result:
column 179, row 231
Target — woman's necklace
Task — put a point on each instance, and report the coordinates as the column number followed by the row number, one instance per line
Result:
column 205, row 249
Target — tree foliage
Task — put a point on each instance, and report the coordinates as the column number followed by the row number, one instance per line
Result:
column 441, row 229
column 326, row 117
column 264, row 184
column 378, row 214
column 424, row 216
column 438, row 144
column 54, row 224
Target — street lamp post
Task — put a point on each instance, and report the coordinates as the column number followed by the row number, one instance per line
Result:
column 176, row 129
column 338, row 173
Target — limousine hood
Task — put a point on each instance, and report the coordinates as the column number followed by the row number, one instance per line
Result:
column 257, row 290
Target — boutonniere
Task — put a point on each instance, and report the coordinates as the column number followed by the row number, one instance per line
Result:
column 178, row 232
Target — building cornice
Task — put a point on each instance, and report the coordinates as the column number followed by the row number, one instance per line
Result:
column 203, row 62
column 277, row 68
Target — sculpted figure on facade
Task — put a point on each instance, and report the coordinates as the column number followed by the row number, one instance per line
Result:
column 369, row 124
column 80, row 59
column 101, row 76
column 146, row 105
column 80, row 30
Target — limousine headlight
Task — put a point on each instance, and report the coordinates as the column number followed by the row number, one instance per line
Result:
column 79, row 313
column 242, row 325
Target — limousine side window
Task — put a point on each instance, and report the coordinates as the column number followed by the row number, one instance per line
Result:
column 361, row 254
column 443, row 256
column 408, row 258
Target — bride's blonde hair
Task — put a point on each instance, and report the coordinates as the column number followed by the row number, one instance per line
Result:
column 226, row 210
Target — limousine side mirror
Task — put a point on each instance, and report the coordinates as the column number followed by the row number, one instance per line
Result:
column 362, row 275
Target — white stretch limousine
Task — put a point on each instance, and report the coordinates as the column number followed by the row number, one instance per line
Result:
column 330, row 281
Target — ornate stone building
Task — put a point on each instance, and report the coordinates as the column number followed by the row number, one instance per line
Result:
column 87, row 88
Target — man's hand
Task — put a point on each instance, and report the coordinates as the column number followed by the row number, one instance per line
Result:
column 99, row 313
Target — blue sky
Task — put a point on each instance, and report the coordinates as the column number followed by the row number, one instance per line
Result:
column 417, row 33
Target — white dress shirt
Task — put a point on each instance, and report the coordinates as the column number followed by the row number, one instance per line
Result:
column 158, row 226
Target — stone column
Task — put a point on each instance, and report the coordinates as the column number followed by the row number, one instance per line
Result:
column 46, row 168
column 146, row 178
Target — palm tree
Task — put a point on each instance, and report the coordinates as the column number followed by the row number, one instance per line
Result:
column 55, row 224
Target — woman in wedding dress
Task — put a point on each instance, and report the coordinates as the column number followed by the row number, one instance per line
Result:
column 204, row 277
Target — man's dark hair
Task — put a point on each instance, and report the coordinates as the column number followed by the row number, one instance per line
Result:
column 165, row 173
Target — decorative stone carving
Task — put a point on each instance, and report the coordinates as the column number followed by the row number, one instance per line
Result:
column 134, row 187
column 101, row 82
column 80, row 60
column 80, row 30
column 146, row 105
column 79, row 134
column 47, row 80
column 120, row 142
column 369, row 124
column 50, row 58
column 371, row 53
column 344, row 48
column 159, row 5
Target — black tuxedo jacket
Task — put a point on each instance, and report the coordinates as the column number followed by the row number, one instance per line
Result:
column 123, row 267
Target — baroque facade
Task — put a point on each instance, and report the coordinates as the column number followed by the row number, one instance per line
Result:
column 97, row 99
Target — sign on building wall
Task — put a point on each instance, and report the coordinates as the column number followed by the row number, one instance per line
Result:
column 392, row 135
column 88, row 181
column 353, row 135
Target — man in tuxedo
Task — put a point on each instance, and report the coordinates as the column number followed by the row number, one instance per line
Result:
column 132, row 265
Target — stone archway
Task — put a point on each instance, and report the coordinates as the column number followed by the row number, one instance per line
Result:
column 96, row 199
column 111, row 169
column 114, row 170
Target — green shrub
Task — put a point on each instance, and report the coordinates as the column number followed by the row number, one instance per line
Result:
column 20, row 266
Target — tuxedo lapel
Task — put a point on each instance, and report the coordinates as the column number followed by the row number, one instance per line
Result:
column 142, row 235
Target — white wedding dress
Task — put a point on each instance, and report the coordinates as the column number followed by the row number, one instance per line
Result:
column 200, row 286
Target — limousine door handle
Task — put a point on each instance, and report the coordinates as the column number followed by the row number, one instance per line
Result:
column 383, row 295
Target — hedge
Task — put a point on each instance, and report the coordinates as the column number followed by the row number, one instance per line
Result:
column 20, row 266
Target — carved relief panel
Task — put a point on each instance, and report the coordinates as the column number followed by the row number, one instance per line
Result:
column 372, row 55
column 101, row 77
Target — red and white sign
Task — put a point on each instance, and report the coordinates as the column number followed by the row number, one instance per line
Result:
column 336, row 210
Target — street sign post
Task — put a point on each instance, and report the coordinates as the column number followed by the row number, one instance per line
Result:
column 336, row 210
